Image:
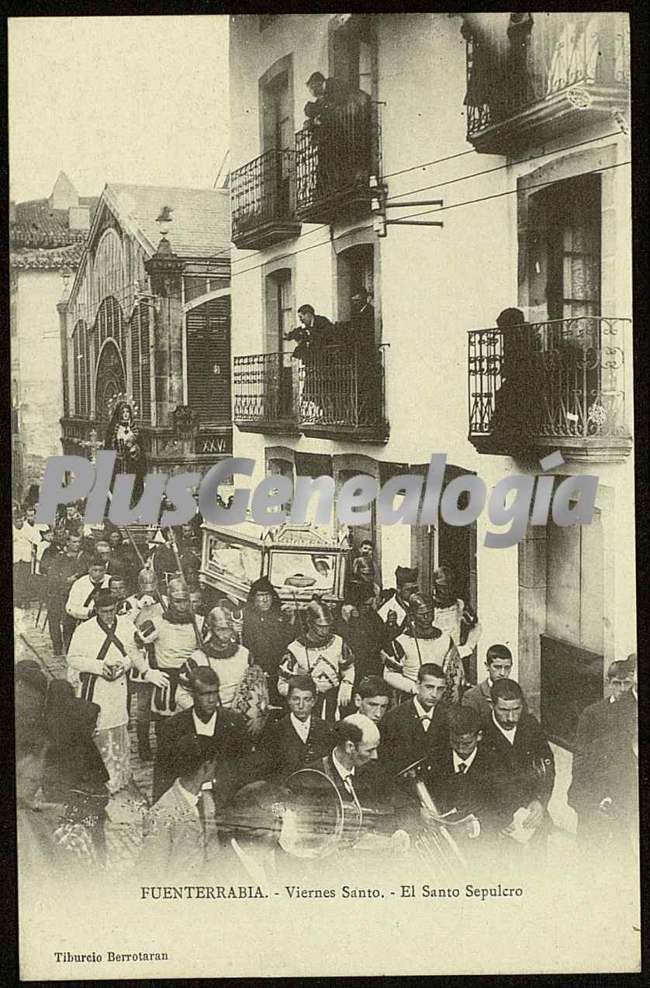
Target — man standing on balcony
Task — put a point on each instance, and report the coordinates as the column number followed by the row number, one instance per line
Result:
column 314, row 333
column 363, row 342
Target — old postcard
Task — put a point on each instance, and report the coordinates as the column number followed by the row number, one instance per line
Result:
column 323, row 494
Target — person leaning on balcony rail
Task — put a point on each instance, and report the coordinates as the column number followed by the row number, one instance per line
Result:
column 327, row 93
column 314, row 333
column 517, row 409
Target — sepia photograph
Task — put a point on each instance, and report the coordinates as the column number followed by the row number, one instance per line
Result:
column 322, row 472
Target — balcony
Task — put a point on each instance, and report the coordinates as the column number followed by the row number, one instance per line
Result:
column 527, row 84
column 547, row 386
column 266, row 393
column 335, row 160
column 262, row 196
column 335, row 393
column 341, row 394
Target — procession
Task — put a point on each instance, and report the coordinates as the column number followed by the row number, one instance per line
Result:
column 373, row 274
column 285, row 733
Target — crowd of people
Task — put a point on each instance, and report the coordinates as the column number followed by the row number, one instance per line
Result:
column 231, row 699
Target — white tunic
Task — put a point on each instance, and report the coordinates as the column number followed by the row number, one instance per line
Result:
column 392, row 604
column 80, row 591
column 85, row 668
column 328, row 665
column 230, row 671
column 411, row 654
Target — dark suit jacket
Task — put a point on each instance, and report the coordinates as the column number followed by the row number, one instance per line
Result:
column 404, row 739
column 603, row 718
column 471, row 792
column 383, row 808
column 523, row 771
column 608, row 769
column 231, row 743
column 282, row 751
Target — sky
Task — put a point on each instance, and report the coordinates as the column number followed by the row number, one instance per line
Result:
column 125, row 99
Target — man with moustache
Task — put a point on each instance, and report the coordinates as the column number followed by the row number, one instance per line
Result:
column 524, row 767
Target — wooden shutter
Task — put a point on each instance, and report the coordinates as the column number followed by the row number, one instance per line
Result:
column 208, row 360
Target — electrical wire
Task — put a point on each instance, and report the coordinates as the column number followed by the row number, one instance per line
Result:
column 439, row 209
column 460, row 178
column 507, row 164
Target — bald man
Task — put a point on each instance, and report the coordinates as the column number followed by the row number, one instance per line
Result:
column 352, row 767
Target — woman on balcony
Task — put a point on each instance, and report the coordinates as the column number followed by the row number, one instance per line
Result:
column 517, row 412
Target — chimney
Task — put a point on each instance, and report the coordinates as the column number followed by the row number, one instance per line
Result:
column 79, row 218
column 12, row 212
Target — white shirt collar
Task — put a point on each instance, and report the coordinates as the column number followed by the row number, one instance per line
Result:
column 206, row 728
column 345, row 773
column 301, row 727
column 508, row 735
column 421, row 712
column 463, row 761
column 190, row 797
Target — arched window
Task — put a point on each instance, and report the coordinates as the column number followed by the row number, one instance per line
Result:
column 355, row 270
column 108, row 266
column 110, row 323
column 208, row 360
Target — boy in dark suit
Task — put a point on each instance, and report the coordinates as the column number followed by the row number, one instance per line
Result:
column 459, row 772
column 298, row 738
column 412, row 729
column 205, row 718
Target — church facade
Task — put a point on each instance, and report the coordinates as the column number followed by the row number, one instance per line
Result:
column 147, row 321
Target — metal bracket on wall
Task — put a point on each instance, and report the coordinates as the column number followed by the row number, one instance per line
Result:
column 379, row 206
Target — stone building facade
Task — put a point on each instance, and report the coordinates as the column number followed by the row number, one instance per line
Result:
column 148, row 317
column 512, row 132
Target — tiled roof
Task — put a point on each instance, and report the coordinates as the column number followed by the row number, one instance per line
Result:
column 46, row 258
column 36, row 225
column 200, row 225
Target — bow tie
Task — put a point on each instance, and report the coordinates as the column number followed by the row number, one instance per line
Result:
column 462, row 768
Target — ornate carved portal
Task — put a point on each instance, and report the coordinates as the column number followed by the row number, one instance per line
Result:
column 110, row 381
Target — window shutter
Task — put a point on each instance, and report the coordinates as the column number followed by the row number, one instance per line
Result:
column 208, row 360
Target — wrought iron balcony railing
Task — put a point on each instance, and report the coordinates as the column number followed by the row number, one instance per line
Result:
column 265, row 392
column 334, row 391
column 559, row 383
column 262, row 196
column 335, row 160
column 342, row 393
column 534, row 77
